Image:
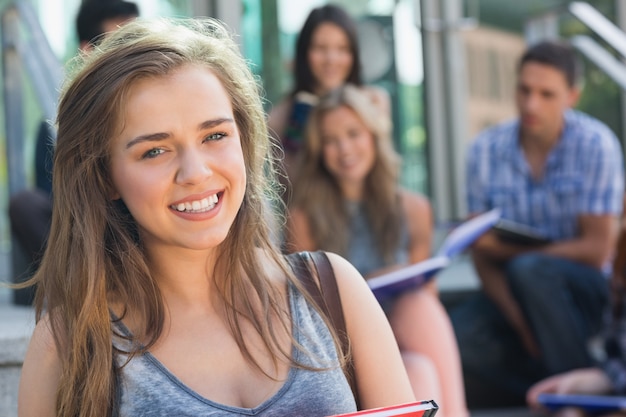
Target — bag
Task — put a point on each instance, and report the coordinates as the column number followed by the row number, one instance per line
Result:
column 315, row 272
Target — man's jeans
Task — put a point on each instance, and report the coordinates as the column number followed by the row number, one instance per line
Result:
column 563, row 302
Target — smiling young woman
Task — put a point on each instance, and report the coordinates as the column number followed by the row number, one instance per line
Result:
column 161, row 291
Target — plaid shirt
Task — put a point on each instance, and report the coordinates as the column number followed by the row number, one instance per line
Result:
column 583, row 175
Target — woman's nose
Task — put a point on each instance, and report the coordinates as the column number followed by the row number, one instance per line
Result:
column 194, row 167
column 343, row 146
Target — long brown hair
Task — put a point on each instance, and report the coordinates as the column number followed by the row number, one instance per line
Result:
column 318, row 195
column 329, row 13
column 94, row 253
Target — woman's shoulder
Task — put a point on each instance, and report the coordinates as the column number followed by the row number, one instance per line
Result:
column 43, row 336
column 417, row 211
column 413, row 202
column 41, row 372
column 345, row 273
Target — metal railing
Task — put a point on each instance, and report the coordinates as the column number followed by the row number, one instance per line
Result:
column 609, row 32
column 25, row 52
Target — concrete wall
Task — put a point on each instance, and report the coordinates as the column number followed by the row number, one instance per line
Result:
column 492, row 57
column 16, row 326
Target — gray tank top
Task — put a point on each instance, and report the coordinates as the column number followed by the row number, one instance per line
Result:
column 362, row 250
column 147, row 388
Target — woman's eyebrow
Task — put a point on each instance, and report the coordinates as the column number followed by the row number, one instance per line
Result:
column 154, row 137
column 149, row 137
column 214, row 122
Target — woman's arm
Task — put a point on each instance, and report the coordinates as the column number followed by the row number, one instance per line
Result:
column 419, row 217
column 579, row 381
column 41, row 373
column 381, row 377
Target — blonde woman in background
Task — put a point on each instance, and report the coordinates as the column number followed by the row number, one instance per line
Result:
column 346, row 199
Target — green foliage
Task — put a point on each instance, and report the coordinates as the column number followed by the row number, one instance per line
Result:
column 601, row 96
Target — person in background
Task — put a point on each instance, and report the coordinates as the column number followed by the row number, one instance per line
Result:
column 30, row 210
column 608, row 376
column 96, row 18
column 560, row 172
column 326, row 57
column 346, row 199
column 160, row 291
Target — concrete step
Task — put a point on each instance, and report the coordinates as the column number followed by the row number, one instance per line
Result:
column 506, row 412
column 16, row 325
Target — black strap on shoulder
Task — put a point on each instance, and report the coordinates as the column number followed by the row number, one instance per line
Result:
column 316, row 274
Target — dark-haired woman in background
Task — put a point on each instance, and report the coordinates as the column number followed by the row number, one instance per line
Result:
column 326, row 57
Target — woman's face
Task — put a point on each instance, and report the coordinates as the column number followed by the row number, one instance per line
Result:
column 178, row 163
column 348, row 148
column 330, row 57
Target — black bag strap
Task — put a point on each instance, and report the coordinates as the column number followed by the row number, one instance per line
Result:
column 315, row 272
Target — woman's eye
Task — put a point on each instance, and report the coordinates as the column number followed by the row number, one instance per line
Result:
column 152, row 153
column 354, row 133
column 214, row 136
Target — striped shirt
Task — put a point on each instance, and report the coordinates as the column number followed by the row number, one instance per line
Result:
column 583, row 174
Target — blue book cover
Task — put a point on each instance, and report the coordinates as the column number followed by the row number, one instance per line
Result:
column 416, row 275
column 592, row 404
column 467, row 232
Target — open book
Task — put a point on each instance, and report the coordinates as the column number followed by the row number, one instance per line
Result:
column 416, row 409
column 415, row 275
column 592, row 404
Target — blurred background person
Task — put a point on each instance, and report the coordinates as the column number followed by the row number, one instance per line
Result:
column 326, row 57
column 560, row 172
column 608, row 376
column 30, row 211
column 346, row 199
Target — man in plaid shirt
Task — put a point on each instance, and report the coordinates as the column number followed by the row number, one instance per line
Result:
column 560, row 172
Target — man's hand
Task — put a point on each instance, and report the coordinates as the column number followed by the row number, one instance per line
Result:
column 491, row 246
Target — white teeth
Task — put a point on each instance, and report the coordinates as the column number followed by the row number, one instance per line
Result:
column 197, row 206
